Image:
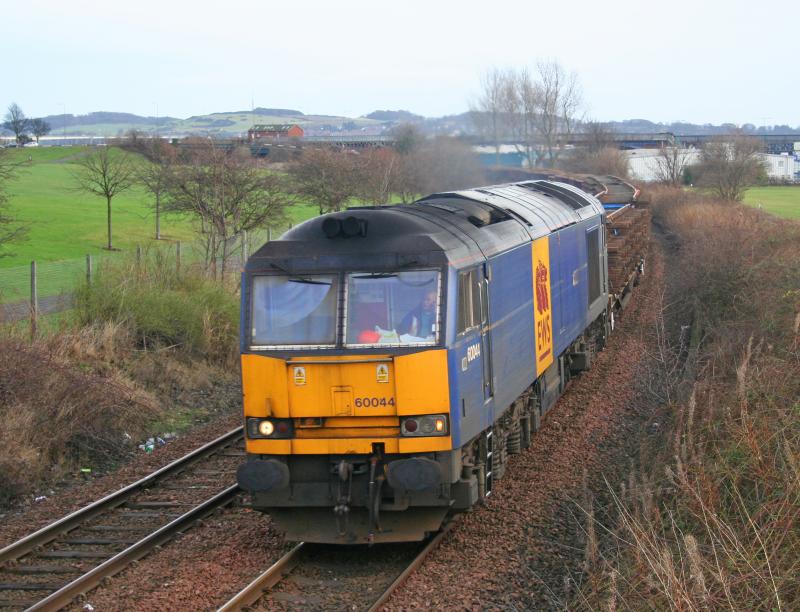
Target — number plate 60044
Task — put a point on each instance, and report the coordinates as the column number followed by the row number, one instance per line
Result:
column 373, row 402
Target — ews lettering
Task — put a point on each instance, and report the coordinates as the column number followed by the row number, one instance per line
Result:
column 543, row 333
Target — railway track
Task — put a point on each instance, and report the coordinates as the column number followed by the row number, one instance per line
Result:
column 49, row 568
column 328, row 576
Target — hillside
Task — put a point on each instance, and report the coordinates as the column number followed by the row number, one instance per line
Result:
column 236, row 123
column 222, row 124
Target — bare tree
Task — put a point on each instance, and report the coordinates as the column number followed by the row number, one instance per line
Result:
column 40, row 128
column 154, row 173
column 598, row 135
column 17, row 122
column 540, row 110
column 106, row 173
column 328, row 177
column 730, row 165
column 380, row 172
column 227, row 195
column 488, row 110
column 9, row 229
column 522, row 104
column 671, row 164
column 559, row 103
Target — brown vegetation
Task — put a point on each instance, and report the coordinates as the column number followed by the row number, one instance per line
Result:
column 332, row 178
column 59, row 416
column 327, row 177
column 227, row 195
column 607, row 160
column 711, row 521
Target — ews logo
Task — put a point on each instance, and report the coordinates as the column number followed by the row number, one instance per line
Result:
column 543, row 321
column 542, row 313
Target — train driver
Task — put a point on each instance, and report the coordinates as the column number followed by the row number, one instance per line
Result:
column 421, row 320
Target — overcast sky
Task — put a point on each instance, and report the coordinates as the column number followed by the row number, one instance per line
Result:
column 705, row 62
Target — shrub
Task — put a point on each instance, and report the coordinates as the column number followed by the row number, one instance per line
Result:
column 164, row 308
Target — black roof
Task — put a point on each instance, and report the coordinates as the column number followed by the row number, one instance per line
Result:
column 457, row 227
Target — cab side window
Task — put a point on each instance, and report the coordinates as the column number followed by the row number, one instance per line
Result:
column 593, row 253
column 469, row 300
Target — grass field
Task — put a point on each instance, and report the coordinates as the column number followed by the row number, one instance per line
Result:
column 780, row 201
column 64, row 225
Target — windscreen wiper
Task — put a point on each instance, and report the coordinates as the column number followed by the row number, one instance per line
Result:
column 300, row 279
column 309, row 281
column 377, row 275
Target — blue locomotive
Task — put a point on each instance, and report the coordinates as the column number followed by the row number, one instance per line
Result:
column 393, row 357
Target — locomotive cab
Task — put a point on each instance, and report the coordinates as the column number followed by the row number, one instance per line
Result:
column 345, row 383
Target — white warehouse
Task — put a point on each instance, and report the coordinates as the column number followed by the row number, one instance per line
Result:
column 644, row 163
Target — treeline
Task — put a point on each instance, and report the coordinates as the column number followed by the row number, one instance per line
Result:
column 230, row 193
column 24, row 127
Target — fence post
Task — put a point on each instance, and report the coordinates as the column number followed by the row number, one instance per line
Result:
column 178, row 256
column 34, row 300
column 138, row 255
column 244, row 247
column 269, row 234
column 88, row 269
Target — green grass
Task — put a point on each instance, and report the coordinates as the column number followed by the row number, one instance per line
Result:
column 779, row 201
column 64, row 225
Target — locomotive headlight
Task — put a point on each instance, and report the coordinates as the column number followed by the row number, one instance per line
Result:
column 427, row 425
column 269, row 428
column 265, row 428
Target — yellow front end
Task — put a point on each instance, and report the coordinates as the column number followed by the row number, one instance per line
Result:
column 345, row 405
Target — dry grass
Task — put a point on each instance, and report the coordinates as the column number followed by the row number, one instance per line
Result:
column 58, row 416
column 712, row 522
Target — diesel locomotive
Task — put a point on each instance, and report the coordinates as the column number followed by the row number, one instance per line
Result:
column 393, row 357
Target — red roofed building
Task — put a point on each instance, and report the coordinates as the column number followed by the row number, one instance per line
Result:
column 275, row 132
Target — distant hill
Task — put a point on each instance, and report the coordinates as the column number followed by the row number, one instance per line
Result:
column 57, row 122
column 236, row 123
column 276, row 112
column 680, row 128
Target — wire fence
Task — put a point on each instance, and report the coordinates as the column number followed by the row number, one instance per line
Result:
column 46, row 287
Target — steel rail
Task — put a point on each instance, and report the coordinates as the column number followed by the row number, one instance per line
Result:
column 253, row 591
column 413, row 566
column 283, row 566
column 71, row 521
column 65, row 595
